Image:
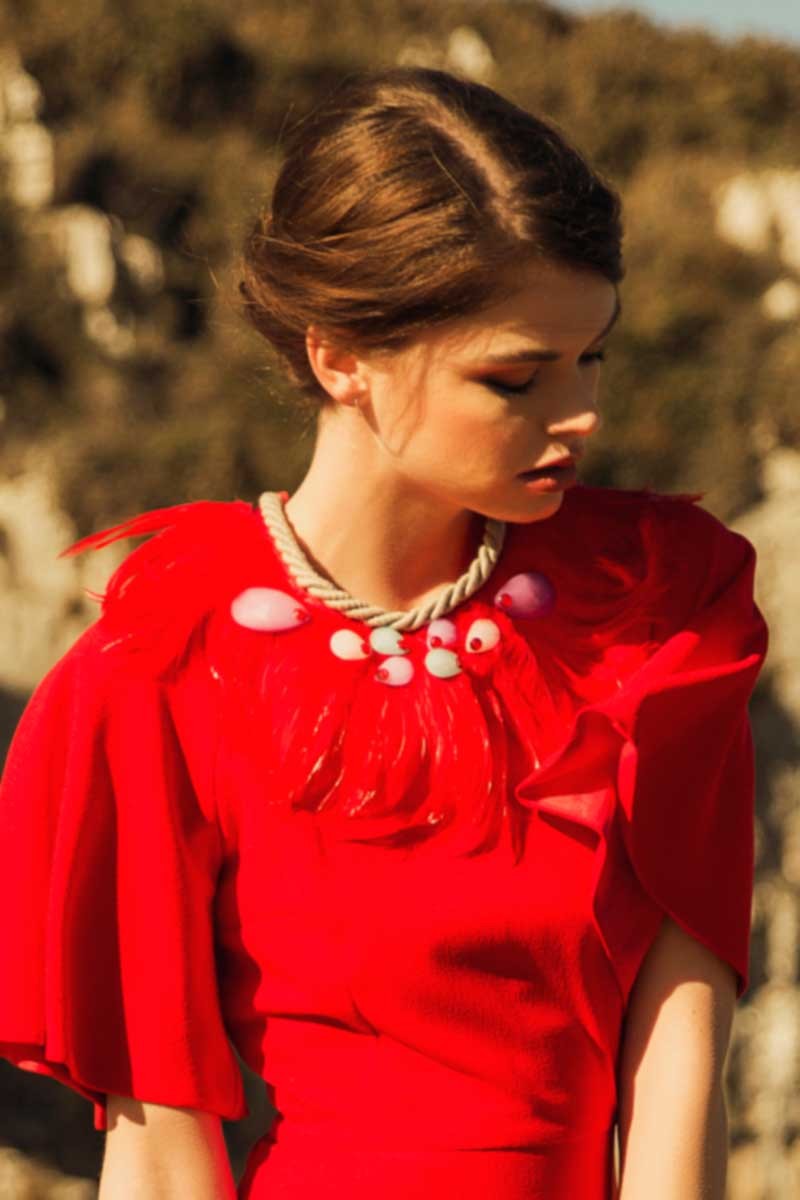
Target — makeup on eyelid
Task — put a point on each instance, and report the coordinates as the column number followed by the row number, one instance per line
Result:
column 520, row 388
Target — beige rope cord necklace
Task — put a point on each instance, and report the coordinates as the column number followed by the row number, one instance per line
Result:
column 272, row 510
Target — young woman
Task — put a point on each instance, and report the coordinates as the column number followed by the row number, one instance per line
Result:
column 427, row 787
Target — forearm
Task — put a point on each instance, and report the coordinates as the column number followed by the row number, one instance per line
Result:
column 676, row 1149
column 154, row 1152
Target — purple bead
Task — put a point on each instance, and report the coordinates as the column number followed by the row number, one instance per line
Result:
column 268, row 610
column 530, row 594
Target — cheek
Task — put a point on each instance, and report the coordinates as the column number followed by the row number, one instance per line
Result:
column 477, row 441
column 495, row 422
column 454, row 432
column 465, row 431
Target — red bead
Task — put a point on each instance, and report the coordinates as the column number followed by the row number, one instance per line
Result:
column 475, row 644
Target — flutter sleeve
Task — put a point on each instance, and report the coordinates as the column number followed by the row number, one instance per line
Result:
column 686, row 767
column 108, row 862
column 662, row 768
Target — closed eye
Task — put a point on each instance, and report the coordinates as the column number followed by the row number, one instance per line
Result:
column 516, row 389
column 497, row 385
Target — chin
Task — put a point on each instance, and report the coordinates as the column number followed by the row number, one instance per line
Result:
column 531, row 508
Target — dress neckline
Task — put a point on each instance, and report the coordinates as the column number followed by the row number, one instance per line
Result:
column 271, row 506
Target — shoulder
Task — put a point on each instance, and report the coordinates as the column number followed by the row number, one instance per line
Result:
column 201, row 524
column 662, row 527
column 660, row 515
column 196, row 558
column 664, row 517
column 625, row 556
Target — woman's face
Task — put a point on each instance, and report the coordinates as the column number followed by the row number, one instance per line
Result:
column 467, row 407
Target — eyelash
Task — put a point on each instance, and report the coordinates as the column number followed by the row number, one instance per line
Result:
column 497, row 384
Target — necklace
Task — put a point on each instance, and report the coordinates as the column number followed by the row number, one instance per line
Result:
column 271, row 506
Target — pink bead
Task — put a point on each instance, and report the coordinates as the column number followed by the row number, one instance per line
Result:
column 530, row 594
column 395, row 671
column 268, row 610
column 441, row 632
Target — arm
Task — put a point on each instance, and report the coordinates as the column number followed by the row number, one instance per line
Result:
column 673, row 1127
column 156, row 1152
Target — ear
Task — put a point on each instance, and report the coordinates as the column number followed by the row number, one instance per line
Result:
column 337, row 369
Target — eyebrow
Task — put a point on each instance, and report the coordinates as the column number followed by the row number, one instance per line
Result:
column 533, row 354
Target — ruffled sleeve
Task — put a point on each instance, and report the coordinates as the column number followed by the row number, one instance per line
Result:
column 686, row 770
column 676, row 829
column 109, row 855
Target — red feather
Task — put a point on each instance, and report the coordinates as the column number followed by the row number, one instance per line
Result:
column 158, row 596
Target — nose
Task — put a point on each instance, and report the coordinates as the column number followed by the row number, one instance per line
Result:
column 581, row 420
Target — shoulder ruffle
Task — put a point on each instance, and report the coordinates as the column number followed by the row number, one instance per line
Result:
column 675, row 737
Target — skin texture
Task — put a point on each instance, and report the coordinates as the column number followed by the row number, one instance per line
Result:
column 673, row 1125
column 156, row 1152
column 413, row 450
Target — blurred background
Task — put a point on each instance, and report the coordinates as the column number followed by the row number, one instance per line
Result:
column 137, row 141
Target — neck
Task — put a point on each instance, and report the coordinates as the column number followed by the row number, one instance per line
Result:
column 378, row 535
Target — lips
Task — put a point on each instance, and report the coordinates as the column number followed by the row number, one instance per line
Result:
column 555, row 468
column 553, row 476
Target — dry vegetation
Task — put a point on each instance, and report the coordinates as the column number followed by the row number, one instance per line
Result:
column 167, row 115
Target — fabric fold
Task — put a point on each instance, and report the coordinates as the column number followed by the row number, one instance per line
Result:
column 109, row 856
column 675, row 739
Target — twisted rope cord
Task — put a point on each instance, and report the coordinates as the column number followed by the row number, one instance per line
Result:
column 317, row 585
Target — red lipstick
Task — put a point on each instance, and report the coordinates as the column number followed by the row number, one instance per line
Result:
column 552, row 476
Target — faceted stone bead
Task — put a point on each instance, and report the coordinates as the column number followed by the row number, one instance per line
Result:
column 443, row 663
column 347, row 644
column 441, row 632
column 529, row 594
column 395, row 671
column 385, row 640
column 268, row 610
column 482, row 635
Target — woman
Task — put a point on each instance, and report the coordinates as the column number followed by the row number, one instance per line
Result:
column 430, row 784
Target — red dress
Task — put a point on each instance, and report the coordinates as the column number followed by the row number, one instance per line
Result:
column 414, row 892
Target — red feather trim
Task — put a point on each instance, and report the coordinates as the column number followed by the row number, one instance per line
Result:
column 393, row 763
column 158, row 596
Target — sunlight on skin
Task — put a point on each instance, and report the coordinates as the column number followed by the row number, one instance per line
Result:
column 671, row 1072
column 420, row 440
column 158, row 1150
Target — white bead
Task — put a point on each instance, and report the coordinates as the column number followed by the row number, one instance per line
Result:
column 385, row 640
column 482, row 635
column 268, row 610
column 395, row 671
column 443, row 663
column 347, row 644
column 441, row 632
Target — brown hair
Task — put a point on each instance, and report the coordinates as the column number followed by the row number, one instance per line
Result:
column 402, row 200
